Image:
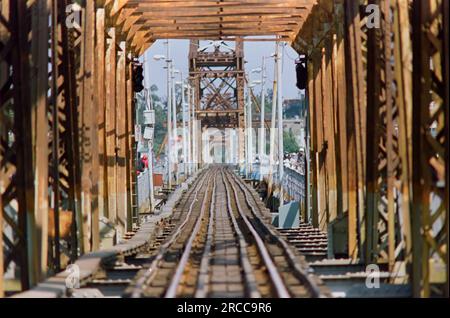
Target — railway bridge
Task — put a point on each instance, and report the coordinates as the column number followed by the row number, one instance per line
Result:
column 375, row 184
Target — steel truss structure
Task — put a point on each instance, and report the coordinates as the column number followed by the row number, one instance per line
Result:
column 66, row 134
column 379, row 163
column 218, row 77
column 379, row 122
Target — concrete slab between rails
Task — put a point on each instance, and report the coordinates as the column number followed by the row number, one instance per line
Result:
column 85, row 269
column 174, row 198
column 87, row 266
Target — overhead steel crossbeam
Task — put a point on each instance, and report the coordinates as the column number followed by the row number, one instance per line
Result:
column 151, row 20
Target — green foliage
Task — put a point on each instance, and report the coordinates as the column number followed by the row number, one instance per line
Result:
column 140, row 107
column 154, row 92
column 290, row 144
column 293, row 108
column 160, row 125
column 160, row 108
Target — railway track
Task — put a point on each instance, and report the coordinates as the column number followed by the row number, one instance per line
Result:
column 212, row 239
column 224, row 246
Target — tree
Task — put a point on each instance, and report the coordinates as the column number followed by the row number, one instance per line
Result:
column 290, row 144
column 160, row 125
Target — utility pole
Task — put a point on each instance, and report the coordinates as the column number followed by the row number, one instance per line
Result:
column 183, row 105
column 280, row 120
column 273, row 122
column 174, row 125
column 188, row 160
column 169, row 118
column 262, row 133
column 194, row 133
column 149, row 125
column 308, row 173
column 245, row 138
column 249, row 130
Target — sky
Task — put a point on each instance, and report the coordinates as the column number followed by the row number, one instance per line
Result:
column 254, row 52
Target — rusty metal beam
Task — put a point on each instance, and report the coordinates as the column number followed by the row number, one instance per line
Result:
column 356, row 101
column 111, row 134
column 219, row 80
column 131, row 153
column 121, row 131
column 100, row 95
column 430, row 135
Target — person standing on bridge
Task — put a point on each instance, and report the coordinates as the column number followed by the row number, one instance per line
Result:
column 141, row 165
column 144, row 160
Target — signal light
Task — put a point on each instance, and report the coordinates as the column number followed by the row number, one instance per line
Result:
column 301, row 68
column 138, row 78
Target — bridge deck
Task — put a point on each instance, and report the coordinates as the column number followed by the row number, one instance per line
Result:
column 213, row 238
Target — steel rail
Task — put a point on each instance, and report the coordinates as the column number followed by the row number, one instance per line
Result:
column 272, row 270
column 151, row 271
column 298, row 270
column 203, row 277
column 245, row 262
column 172, row 290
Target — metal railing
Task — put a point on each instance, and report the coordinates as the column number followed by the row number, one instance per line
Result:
column 294, row 184
column 143, row 190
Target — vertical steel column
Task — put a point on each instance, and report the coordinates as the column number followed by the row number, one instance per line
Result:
column 39, row 85
column 132, row 211
column 121, row 131
column 76, row 35
column 313, row 185
column 329, row 131
column 403, row 78
column 446, row 71
column 88, row 128
column 384, row 244
column 111, row 134
column 16, row 171
column 100, row 101
column 376, row 132
column 430, row 135
column 340, row 88
column 64, row 178
column 91, row 58
column 356, row 110
column 321, row 149
column 56, row 146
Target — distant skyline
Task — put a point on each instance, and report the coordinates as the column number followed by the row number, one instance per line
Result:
column 254, row 52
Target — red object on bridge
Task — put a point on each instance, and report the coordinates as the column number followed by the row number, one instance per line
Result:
column 158, row 180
